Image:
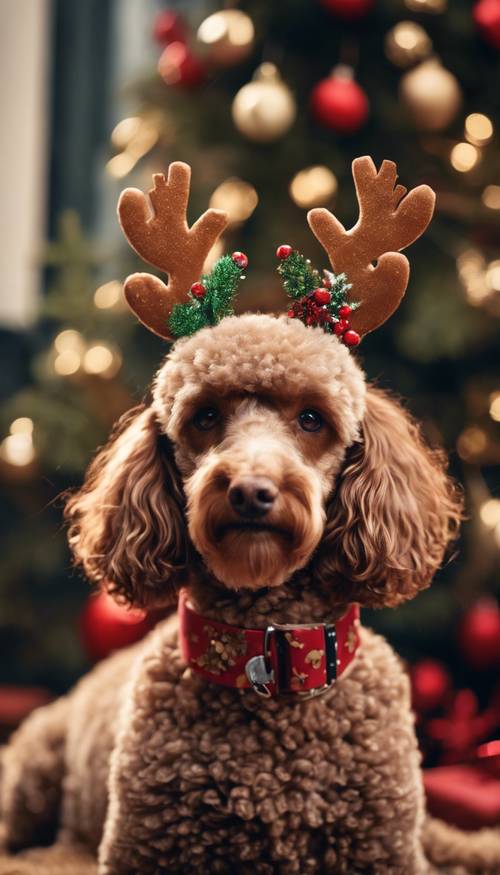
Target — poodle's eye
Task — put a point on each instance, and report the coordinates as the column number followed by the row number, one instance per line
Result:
column 206, row 418
column 310, row 420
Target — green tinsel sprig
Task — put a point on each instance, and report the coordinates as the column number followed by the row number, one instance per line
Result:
column 299, row 277
column 217, row 301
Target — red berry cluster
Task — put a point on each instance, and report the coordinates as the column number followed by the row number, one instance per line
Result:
column 312, row 309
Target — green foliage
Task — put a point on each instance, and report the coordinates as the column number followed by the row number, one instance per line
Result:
column 300, row 280
column 220, row 287
column 299, row 277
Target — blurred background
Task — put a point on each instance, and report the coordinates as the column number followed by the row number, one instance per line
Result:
column 269, row 103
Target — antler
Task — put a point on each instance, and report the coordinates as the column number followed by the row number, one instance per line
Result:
column 162, row 237
column 388, row 221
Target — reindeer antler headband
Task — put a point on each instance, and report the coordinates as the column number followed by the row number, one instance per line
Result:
column 366, row 293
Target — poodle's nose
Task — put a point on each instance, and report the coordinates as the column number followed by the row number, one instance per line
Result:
column 252, row 497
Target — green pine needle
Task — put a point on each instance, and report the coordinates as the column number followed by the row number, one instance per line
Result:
column 220, row 287
column 299, row 278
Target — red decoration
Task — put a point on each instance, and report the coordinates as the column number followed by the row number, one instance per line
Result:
column 106, row 626
column 322, row 296
column 16, row 703
column 465, row 795
column 340, row 327
column 198, row 290
column 430, row 683
column 486, row 16
column 169, row 28
column 463, row 728
column 345, row 311
column 240, row 259
column 339, row 103
column 479, row 634
column 351, row 338
column 284, row 251
column 349, row 10
column 178, row 66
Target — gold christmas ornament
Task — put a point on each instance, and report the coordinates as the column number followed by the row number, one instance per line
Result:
column 264, row 109
column 406, row 43
column 313, row 187
column 235, row 197
column 226, row 37
column 432, row 95
column 435, row 7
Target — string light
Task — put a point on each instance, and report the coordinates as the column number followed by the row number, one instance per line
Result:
column 490, row 513
column 17, row 448
column 471, row 443
column 22, row 425
column 69, row 346
column 108, row 295
column 69, row 339
column 143, row 140
column 493, row 275
column 478, row 129
column 495, row 406
column 120, row 165
column 67, row 363
column 491, row 197
column 464, row 156
column 313, row 186
column 102, row 361
column 470, row 267
column 237, row 198
column 124, row 131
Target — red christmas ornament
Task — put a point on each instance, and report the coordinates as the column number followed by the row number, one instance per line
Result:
column 106, row 626
column 349, row 10
column 479, row 634
column 322, row 296
column 429, row 684
column 178, row 66
column 339, row 103
column 198, row 290
column 340, row 327
column 240, row 259
column 284, row 251
column 169, row 28
column 345, row 311
column 486, row 16
column 351, row 338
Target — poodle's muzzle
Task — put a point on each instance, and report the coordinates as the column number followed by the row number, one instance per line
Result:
column 255, row 507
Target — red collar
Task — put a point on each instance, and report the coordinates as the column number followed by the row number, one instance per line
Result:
column 305, row 660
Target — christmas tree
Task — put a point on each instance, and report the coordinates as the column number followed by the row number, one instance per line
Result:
column 269, row 103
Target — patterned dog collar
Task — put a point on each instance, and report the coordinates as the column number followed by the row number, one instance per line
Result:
column 304, row 660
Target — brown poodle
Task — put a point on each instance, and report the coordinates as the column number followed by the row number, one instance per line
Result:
column 272, row 484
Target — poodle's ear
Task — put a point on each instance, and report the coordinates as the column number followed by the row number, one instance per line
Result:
column 126, row 524
column 392, row 514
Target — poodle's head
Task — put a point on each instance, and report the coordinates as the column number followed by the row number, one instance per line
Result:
column 264, row 450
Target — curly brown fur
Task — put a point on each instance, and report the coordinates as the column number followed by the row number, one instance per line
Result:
column 393, row 513
column 126, row 525
column 165, row 772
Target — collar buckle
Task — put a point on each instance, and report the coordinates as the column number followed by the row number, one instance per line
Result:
column 259, row 669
